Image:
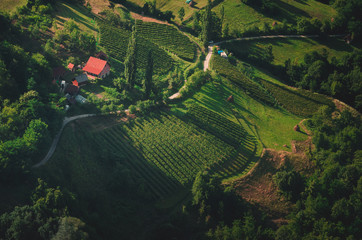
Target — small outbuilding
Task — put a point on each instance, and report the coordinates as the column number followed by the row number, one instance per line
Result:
column 230, row 99
column 71, row 67
column 80, row 80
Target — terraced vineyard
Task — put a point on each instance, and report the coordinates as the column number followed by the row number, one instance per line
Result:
column 168, row 37
column 115, row 40
column 164, row 150
column 299, row 101
column 245, row 155
column 224, row 68
column 222, row 127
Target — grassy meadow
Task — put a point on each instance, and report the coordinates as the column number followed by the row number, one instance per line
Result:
column 240, row 16
column 84, row 19
column 293, row 48
column 273, row 127
column 11, row 5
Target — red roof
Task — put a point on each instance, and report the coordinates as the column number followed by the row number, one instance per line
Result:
column 75, row 83
column 70, row 66
column 95, row 65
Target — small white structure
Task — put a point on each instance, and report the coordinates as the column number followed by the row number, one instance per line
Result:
column 223, row 54
column 63, row 85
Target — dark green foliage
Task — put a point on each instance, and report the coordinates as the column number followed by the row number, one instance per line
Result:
column 227, row 70
column 24, row 131
column 148, row 77
column 289, row 183
column 349, row 17
column 130, row 67
column 41, row 219
column 74, row 39
column 329, row 207
column 206, row 25
column 115, row 40
column 181, row 13
column 339, row 78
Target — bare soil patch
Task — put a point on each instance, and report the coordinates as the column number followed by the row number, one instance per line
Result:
column 147, row 19
column 98, row 5
column 258, row 188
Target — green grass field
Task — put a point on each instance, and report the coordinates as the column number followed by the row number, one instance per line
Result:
column 11, row 5
column 272, row 126
column 225, row 69
column 84, row 19
column 293, row 48
column 241, row 17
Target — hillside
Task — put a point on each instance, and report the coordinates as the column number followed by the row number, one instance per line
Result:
column 201, row 120
column 241, row 17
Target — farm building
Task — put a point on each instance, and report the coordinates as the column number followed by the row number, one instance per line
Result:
column 96, row 67
column 222, row 53
column 71, row 67
column 80, row 80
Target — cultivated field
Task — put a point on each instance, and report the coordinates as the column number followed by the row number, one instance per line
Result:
column 297, row 101
column 115, row 41
column 271, row 127
column 240, row 16
column 225, row 69
column 167, row 37
column 293, row 48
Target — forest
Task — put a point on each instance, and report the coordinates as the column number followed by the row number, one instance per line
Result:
column 216, row 120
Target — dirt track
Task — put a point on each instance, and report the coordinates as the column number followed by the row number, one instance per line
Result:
column 57, row 137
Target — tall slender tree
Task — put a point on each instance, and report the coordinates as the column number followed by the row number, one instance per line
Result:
column 149, row 73
column 130, row 66
column 205, row 33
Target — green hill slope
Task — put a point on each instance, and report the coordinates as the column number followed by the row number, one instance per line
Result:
column 167, row 37
column 115, row 41
column 240, row 16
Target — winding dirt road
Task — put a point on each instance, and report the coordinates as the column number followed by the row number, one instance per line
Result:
column 57, row 137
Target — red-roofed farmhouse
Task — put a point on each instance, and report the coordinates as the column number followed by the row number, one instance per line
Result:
column 97, row 68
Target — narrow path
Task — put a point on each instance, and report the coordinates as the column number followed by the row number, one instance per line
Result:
column 57, row 137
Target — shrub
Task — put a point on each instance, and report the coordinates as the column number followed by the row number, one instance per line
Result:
column 132, row 109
